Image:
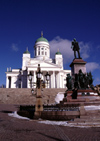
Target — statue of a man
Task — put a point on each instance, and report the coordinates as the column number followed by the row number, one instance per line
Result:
column 69, row 81
column 75, row 48
column 81, row 78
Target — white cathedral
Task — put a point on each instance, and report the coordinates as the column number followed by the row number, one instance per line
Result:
column 19, row 78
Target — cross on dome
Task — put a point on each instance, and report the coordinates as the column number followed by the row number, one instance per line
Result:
column 41, row 33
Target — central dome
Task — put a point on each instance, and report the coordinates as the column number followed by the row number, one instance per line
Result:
column 41, row 39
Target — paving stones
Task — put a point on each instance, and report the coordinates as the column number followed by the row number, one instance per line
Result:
column 13, row 129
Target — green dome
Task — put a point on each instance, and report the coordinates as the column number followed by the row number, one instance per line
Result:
column 41, row 39
column 27, row 52
column 58, row 53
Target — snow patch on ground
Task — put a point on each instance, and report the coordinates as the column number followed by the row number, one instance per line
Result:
column 92, row 107
column 64, row 123
column 14, row 114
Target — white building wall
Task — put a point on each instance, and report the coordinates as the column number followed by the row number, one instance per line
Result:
column 7, row 82
column 59, row 60
column 25, row 60
column 13, row 82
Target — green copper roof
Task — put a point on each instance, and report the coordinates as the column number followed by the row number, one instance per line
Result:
column 41, row 39
column 58, row 53
column 27, row 52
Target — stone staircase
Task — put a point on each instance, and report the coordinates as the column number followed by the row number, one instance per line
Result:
column 24, row 96
column 91, row 119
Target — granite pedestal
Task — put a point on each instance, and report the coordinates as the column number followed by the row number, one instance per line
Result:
column 76, row 65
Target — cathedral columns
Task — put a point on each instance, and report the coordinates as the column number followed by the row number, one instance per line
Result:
column 53, row 80
column 36, row 51
column 34, row 85
column 7, row 81
column 58, row 80
column 35, row 76
column 61, row 82
column 12, row 82
column 28, row 82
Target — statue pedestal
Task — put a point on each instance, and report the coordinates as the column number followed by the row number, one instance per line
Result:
column 76, row 65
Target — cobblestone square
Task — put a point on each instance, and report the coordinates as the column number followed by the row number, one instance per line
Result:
column 13, row 129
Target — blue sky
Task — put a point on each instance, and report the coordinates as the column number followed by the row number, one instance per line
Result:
column 21, row 23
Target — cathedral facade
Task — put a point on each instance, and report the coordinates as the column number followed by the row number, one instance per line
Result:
column 19, row 78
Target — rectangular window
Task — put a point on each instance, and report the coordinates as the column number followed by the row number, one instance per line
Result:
column 42, row 52
column 38, row 52
column 9, row 86
column 45, row 53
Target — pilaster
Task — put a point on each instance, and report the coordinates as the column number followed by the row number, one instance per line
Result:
column 28, row 82
column 34, row 79
column 53, row 79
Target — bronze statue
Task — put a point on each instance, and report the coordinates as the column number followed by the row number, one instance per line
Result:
column 75, row 48
column 90, row 79
column 69, row 81
column 74, row 94
column 81, row 79
column 76, row 83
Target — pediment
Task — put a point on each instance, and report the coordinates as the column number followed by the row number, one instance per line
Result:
column 43, row 64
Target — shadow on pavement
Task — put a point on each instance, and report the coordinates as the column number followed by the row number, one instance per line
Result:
column 50, row 137
column 4, row 111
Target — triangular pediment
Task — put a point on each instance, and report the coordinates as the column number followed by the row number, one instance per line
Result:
column 43, row 64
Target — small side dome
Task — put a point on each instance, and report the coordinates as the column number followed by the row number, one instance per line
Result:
column 27, row 52
column 58, row 53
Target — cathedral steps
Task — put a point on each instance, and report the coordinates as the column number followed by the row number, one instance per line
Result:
column 24, row 95
column 91, row 119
